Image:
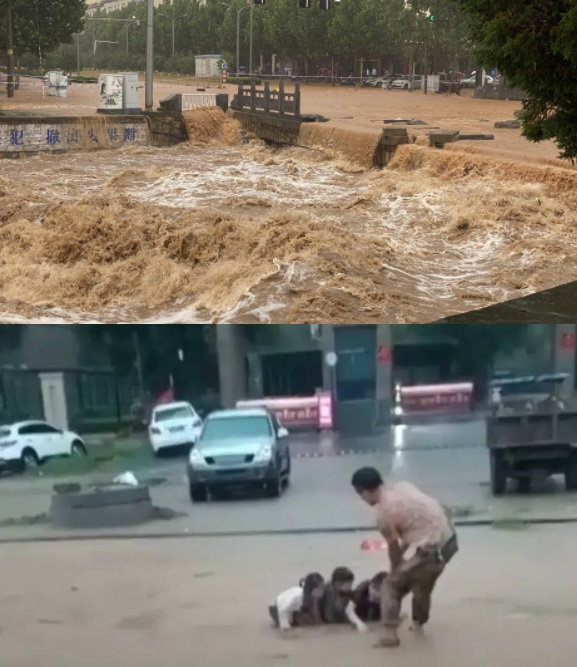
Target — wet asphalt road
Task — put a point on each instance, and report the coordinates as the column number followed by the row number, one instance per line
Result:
column 447, row 460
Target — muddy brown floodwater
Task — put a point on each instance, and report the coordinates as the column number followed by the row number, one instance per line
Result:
column 217, row 230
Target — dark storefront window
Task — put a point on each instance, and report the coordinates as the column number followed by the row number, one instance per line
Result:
column 294, row 374
column 356, row 368
column 96, row 392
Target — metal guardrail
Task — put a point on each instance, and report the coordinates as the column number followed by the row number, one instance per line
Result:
column 196, row 100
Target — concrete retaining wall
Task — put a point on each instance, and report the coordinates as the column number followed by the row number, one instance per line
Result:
column 274, row 129
column 21, row 136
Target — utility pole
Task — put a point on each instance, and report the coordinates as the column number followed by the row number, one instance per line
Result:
column 138, row 362
column 78, row 53
column 238, row 11
column 149, row 97
column 9, row 51
column 250, row 47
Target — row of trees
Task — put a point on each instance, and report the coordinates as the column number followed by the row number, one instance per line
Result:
column 530, row 41
column 303, row 38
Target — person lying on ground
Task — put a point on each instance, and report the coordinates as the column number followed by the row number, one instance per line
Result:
column 367, row 598
column 333, row 602
column 292, row 608
column 421, row 540
column 318, row 602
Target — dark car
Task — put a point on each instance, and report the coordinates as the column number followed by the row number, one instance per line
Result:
column 240, row 448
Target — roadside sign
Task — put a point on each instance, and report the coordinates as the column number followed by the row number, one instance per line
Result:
column 331, row 358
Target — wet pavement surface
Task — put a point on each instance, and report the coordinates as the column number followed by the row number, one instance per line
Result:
column 449, row 461
column 148, row 602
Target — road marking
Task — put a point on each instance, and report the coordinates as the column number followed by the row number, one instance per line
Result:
column 380, row 450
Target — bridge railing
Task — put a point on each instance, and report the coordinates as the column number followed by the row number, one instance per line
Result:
column 195, row 100
column 267, row 101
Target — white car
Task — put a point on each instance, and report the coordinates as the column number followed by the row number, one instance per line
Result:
column 26, row 444
column 174, row 425
column 404, row 83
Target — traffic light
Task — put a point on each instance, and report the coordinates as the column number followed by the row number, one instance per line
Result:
column 259, row 2
column 305, row 4
column 325, row 5
column 432, row 18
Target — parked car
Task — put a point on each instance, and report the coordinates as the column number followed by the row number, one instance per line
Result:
column 242, row 447
column 27, row 444
column 404, row 83
column 471, row 81
column 389, row 78
column 172, row 425
column 374, row 81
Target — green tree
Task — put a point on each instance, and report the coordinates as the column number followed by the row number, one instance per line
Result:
column 157, row 347
column 41, row 25
column 532, row 42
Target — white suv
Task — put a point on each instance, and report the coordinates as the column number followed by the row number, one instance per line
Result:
column 26, row 444
column 174, row 425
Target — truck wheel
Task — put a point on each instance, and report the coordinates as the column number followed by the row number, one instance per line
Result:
column 571, row 474
column 498, row 473
column 198, row 493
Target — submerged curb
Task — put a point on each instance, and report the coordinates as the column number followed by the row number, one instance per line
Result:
column 90, row 537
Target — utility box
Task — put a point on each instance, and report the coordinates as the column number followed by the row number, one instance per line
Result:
column 119, row 93
column 433, row 83
column 207, row 66
column 57, row 83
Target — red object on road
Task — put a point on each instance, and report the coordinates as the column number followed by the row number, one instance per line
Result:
column 568, row 342
column 373, row 545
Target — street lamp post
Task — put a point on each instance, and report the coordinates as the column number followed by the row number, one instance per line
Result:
column 149, row 97
column 238, row 13
column 174, row 20
column 250, row 48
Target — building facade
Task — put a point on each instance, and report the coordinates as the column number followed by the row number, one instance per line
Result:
column 292, row 360
column 46, row 372
column 109, row 6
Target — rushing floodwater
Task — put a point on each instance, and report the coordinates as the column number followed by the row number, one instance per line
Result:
column 251, row 234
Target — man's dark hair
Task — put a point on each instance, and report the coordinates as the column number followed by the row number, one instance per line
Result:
column 342, row 575
column 366, row 479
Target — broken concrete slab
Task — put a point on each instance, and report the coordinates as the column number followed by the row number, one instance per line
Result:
column 476, row 137
column 508, row 124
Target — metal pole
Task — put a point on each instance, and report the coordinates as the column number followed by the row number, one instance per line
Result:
column 173, row 24
column 250, row 49
column 78, row 53
column 149, row 98
column 238, row 11
column 138, row 362
column 9, row 51
column 127, row 29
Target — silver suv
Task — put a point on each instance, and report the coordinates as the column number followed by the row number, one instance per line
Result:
column 239, row 448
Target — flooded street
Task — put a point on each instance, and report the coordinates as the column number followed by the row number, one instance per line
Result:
column 181, row 598
column 247, row 233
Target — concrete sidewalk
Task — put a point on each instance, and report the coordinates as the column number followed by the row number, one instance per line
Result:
column 146, row 603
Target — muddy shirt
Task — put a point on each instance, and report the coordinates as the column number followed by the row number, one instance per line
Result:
column 412, row 517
